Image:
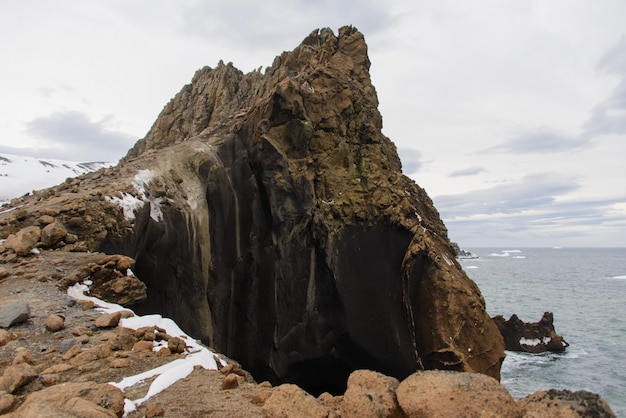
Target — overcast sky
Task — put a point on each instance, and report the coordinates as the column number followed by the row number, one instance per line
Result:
column 511, row 114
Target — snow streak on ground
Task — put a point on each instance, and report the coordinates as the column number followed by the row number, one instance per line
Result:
column 167, row 374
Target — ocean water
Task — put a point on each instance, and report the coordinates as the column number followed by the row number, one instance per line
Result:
column 585, row 288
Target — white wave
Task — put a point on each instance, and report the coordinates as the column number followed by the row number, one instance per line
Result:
column 519, row 256
column 619, row 277
column 471, row 267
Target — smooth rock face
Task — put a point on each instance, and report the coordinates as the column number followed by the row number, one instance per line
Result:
column 441, row 394
column 14, row 313
column 530, row 337
column 564, row 404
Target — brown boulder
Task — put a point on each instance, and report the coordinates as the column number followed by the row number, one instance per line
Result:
column 52, row 234
column 4, row 273
column 54, row 322
column 564, row 404
column 370, row 394
column 6, row 402
column 230, row 382
column 109, row 320
column 14, row 377
column 24, row 240
column 85, row 400
column 289, row 401
column 453, row 394
column 176, row 345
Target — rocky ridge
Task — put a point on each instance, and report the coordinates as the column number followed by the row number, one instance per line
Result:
column 269, row 216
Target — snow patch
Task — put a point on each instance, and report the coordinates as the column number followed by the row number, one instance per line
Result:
column 167, row 374
column 130, row 203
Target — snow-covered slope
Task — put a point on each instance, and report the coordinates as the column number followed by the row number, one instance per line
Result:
column 20, row 174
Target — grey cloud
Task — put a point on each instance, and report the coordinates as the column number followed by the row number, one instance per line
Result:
column 412, row 160
column 470, row 171
column 73, row 136
column 609, row 117
column 543, row 140
column 531, row 192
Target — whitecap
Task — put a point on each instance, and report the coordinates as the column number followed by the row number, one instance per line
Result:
column 619, row 277
column 519, row 256
column 471, row 267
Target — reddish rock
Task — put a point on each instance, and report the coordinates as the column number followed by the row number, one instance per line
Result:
column 370, row 394
column 143, row 346
column 14, row 377
column 73, row 351
column 4, row 273
column 54, row 322
column 23, row 357
column 52, row 234
column 84, row 399
column 24, row 240
column 119, row 363
column 455, row 394
column 108, row 320
column 6, row 402
column 230, row 382
column 289, row 401
column 176, row 345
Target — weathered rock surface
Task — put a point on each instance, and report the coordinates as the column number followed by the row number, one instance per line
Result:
column 530, row 337
column 24, row 240
column 14, row 313
column 289, row 401
column 564, row 404
column 439, row 394
column 370, row 394
column 269, row 216
column 84, row 399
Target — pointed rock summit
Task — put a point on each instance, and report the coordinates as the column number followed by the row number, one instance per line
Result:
column 269, row 216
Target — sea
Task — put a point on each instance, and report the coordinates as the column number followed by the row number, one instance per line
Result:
column 585, row 288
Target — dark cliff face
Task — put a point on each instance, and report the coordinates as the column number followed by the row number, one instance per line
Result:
column 281, row 230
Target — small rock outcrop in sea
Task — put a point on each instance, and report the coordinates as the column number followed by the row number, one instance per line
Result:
column 269, row 216
column 463, row 254
column 530, row 337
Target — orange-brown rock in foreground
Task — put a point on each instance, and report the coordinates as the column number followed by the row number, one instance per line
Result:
column 442, row 394
column 564, row 404
column 85, row 399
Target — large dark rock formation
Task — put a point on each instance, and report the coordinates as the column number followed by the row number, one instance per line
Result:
column 269, row 216
column 530, row 337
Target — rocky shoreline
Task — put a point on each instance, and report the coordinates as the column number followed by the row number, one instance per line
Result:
column 65, row 370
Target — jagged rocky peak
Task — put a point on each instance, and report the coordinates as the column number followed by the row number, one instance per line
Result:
column 269, row 216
